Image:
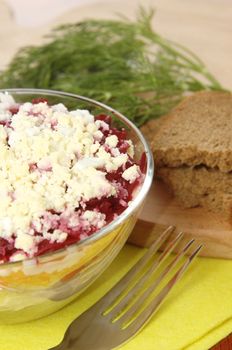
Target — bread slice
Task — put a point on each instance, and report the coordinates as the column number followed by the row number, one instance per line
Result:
column 192, row 149
column 199, row 186
column 198, row 131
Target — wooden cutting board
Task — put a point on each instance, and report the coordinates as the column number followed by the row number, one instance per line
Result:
column 162, row 210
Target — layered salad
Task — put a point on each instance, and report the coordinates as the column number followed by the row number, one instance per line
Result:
column 64, row 174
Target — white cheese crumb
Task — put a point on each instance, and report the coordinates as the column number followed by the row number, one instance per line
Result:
column 25, row 242
column 94, row 218
column 17, row 256
column 98, row 135
column 102, row 124
column 112, row 141
column 3, row 134
column 58, row 236
column 6, row 101
column 115, row 152
column 88, row 162
column 120, row 160
column 131, row 173
column 59, row 108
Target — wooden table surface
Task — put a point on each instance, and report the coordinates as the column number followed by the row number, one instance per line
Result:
column 205, row 26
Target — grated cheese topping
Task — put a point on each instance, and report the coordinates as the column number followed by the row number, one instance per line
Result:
column 53, row 160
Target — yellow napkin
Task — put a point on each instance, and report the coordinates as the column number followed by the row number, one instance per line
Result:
column 196, row 315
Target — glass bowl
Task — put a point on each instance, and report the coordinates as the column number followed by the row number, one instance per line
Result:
column 36, row 287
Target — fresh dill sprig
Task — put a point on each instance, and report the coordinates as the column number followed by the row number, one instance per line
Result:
column 121, row 63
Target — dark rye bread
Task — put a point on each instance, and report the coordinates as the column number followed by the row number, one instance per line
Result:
column 198, row 131
column 192, row 149
column 199, row 186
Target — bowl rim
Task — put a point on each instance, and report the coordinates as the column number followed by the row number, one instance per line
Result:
column 139, row 196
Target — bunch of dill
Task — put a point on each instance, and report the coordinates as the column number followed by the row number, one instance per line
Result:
column 121, row 63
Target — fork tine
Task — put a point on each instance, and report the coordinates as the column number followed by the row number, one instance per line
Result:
column 125, row 281
column 131, row 293
column 153, row 306
column 153, row 286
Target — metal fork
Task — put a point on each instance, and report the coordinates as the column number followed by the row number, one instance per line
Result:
column 125, row 309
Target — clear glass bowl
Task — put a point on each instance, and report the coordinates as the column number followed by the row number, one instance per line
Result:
column 37, row 287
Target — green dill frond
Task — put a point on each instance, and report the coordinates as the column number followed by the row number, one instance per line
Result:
column 124, row 64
